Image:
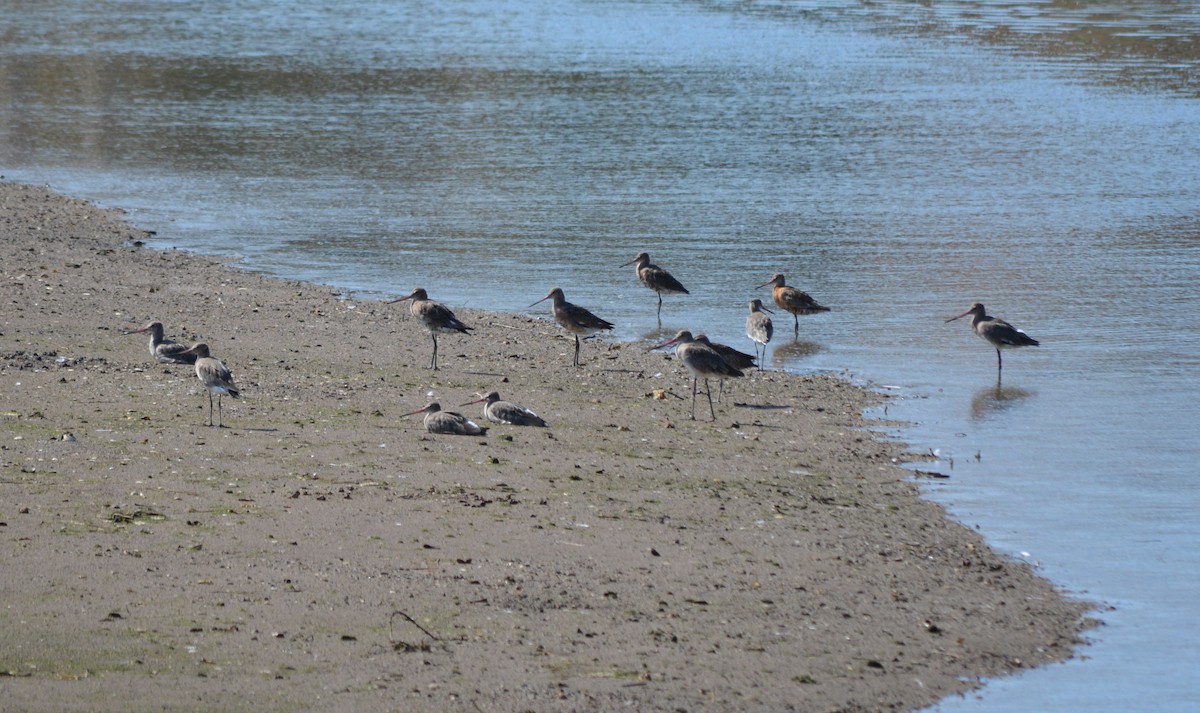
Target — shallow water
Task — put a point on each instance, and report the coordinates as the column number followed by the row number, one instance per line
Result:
column 898, row 161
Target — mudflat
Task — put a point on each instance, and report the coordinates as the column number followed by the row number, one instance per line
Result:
column 322, row 552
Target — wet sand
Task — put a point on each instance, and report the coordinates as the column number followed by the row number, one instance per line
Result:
column 323, row 552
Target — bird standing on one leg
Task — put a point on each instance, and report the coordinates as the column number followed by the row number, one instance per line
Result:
column 573, row 318
column 657, row 279
column 434, row 316
column 997, row 332
column 215, row 377
column 792, row 300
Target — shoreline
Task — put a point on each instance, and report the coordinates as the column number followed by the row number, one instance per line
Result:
column 325, row 551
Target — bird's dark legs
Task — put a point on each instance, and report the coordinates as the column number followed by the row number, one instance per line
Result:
column 576, row 350
column 694, row 380
column 708, row 390
column 999, row 367
column 220, row 415
column 660, row 308
column 433, row 360
column 210, row 408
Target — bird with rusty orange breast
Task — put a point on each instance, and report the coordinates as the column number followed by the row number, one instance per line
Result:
column 793, row 300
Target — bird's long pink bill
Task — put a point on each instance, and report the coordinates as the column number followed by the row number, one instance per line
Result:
column 669, row 342
column 540, row 301
column 964, row 314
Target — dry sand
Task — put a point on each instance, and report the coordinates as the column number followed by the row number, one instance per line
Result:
column 321, row 552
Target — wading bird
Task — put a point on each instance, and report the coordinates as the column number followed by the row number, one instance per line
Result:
column 215, row 377
column 702, row 361
column 165, row 351
column 759, row 329
column 574, row 318
column 733, row 357
column 434, row 316
column 792, row 300
column 506, row 412
column 657, row 279
column 448, row 422
column 997, row 332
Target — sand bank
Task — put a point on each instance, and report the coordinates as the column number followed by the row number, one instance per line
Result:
column 322, row 552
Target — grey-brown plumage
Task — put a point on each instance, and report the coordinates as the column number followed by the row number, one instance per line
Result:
column 760, row 329
column 163, row 350
column 573, row 318
column 434, row 316
column 656, row 278
column 792, row 300
column 733, row 357
column 702, row 361
column 448, row 422
column 215, row 377
column 506, row 412
column 997, row 332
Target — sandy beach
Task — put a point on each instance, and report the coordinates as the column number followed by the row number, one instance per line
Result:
column 322, row 552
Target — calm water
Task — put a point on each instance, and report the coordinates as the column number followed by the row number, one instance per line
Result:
column 899, row 161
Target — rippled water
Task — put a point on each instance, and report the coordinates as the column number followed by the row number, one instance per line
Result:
column 897, row 160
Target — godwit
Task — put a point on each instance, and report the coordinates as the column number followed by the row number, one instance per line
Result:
column 733, row 357
column 702, row 361
column 759, row 329
column 434, row 316
column 656, row 278
column 574, row 318
column 506, row 412
column 165, row 351
column 448, row 422
column 792, row 300
column 215, row 377
column 997, row 332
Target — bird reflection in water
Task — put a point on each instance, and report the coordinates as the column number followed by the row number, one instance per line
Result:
column 787, row 353
column 995, row 400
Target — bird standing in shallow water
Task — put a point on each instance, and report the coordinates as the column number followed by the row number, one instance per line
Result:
column 759, row 329
column 997, row 332
column 215, row 377
column 702, row 361
column 435, row 317
column 448, row 422
column 574, row 318
column 165, row 351
column 792, row 300
column 506, row 412
column 657, row 279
